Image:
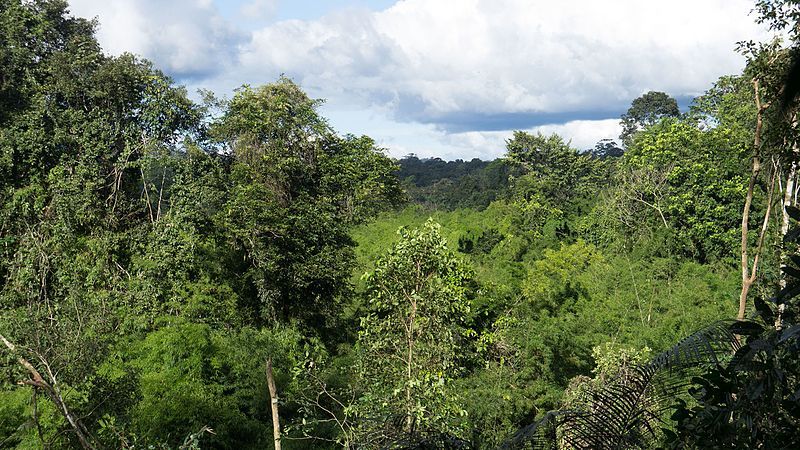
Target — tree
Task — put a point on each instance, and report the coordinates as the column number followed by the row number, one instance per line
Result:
column 75, row 129
column 412, row 342
column 751, row 400
column 295, row 187
column 646, row 110
column 606, row 148
column 552, row 169
column 685, row 180
column 775, row 152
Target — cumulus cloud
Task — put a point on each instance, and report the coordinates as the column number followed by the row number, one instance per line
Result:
column 429, row 140
column 581, row 134
column 445, row 76
column 459, row 64
column 188, row 39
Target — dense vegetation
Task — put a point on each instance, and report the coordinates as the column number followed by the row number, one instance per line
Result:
column 451, row 185
column 157, row 255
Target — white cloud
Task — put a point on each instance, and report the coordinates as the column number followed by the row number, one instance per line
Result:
column 448, row 76
column 259, row 9
column 428, row 140
column 431, row 59
column 186, row 38
column 583, row 134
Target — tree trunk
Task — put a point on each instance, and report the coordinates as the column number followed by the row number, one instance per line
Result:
column 273, row 395
column 54, row 393
column 749, row 273
column 409, row 367
column 788, row 200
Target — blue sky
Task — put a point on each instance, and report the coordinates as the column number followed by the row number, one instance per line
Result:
column 275, row 11
column 446, row 78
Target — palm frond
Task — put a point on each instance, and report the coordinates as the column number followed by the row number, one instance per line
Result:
column 540, row 435
column 628, row 412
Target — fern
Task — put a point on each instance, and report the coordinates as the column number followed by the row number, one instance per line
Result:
column 630, row 410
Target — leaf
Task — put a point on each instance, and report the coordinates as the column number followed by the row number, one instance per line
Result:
column 745, row 328
column 795, row 259
column 791, row 271
column 669, row 435
column 628, row 410
column 792, row 235
column 793, row 212
column 787, row 293
column 764, row 310
column 789, row 333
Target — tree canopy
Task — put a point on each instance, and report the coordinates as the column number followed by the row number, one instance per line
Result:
column 235, row 273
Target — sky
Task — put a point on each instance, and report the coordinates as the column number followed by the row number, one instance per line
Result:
column 442, row 78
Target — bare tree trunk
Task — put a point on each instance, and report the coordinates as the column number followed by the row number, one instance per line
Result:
column 54, row 393
column 749, row 274
column 749, row 278
column 147, row 197
column 273, row 395
column 161, row 194
column 788, row 200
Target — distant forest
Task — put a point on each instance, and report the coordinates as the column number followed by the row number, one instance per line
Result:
column 448, row 185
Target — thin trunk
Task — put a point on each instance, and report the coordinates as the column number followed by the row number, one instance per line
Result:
column 749, row 273
column 54, row 393
column 147, row 198
column 788, row 200
column 273, row 395
column 749, row 279
column 409, row 366
column 161, row 193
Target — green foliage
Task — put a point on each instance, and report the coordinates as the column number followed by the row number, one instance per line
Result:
column 779, row 15
column 629, row 410
column 550, row 280
column 551, row 168
column 295, row 187
column 413, row 341
column 123, row 206
column 575, row 297
column 688, row 181
column 154, row 255
column 189, row 376
column 605, row 149
column 611, row 360
column 557, row 185
column 18, row 429
column 449, row 185
column 752, row 399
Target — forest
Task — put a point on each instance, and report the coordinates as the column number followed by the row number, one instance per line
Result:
column 233, row 273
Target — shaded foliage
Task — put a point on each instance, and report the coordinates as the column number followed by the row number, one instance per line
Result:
column 449, row 185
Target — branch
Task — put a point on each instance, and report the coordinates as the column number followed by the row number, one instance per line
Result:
column 54, row 394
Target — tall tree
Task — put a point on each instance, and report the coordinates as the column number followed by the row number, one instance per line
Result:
column 685, row 180
column 646, row 110
column 295, row 188
column 75, row 131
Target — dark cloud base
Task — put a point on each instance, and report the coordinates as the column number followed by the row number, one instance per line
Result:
column 465, row 121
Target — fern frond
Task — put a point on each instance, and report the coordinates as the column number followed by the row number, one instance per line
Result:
column 628, row 412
